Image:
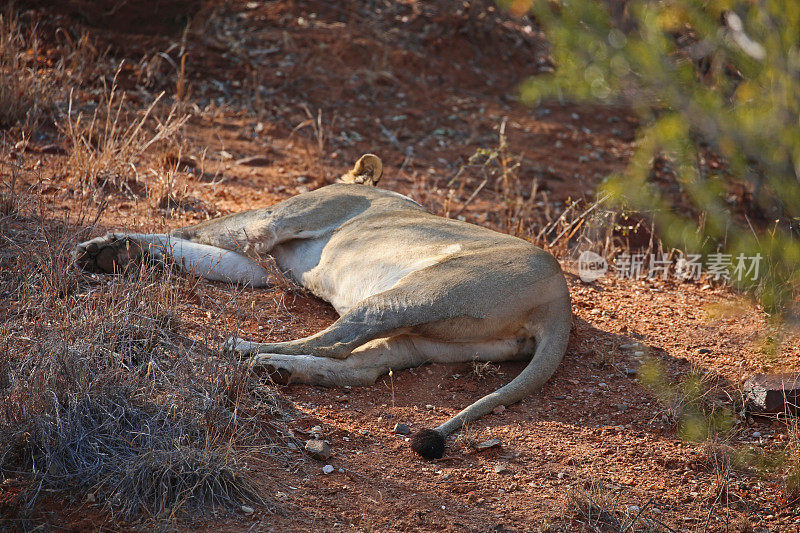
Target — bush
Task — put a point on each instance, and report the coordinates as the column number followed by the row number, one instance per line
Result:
column 706, row 79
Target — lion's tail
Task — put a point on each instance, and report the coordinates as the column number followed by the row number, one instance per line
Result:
column 551, row 344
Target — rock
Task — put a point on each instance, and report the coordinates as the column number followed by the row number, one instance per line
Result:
column 316, row 431
column 501, row 469
column 327, row 469
column 485, row 445
column 499, row 409
column 428, row 406
column 318, row 449
column 254, row 161
column 773, row 393
column 756, row 434
column 402, row 429
column 703, row 350
column 246, row 509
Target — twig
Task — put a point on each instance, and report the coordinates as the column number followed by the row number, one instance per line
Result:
column 472, row 197
column 580, row 218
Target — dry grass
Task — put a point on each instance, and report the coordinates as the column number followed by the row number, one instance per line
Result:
column 107, row 144
column 104, row 402
column 597, row 507
column 26, row 94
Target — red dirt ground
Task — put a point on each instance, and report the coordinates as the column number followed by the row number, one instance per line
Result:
column 425, row 85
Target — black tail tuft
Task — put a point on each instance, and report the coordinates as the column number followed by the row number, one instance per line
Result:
column 429, row 443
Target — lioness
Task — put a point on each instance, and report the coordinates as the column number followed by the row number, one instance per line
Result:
column 411, row 287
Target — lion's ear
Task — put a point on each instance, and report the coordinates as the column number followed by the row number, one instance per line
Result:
column 367, row 171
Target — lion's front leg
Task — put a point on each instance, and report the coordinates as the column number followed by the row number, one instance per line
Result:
column 113, row 252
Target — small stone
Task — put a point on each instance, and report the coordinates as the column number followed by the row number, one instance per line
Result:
column 327, row 469
column 630, row 371
column 703, row 350
column 254, row 161
column 756, row 434
column 246, row 509
column 561, row 475
column 402, row 429
column 633, row 508
column 485, row 445
column 773, row 393
column 428, row 406
column 501, row 469
column 90, row 498
column 318, row 449
column 316, row 431
column 499, row 409
column 603, row 386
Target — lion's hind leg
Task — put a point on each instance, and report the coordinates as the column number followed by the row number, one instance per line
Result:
column 376, row 358
column 112, row 252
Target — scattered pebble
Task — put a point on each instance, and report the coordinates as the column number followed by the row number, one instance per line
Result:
column 491, row 443
column 756, row 434
column 428, row 406
column 501, row 469
column 318, row 449
column 327, row 469
column 630, row 371
column 703, row 350
column 246, row 509
column 402, row 429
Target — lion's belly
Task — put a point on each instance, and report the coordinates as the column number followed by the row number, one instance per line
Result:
column 347, row 274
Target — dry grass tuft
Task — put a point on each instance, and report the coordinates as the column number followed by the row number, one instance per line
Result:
column 106, row 145
column 104, row 402
column 599, row 508
column 25, row 93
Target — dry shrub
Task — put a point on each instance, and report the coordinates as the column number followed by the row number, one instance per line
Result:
column 25, row 93
column 107, row 144
column 102, row 400
column 596, row 507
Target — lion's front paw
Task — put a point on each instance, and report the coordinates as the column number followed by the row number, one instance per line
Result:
column 111, row 253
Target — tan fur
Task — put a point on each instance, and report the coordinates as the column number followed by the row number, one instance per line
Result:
column 411, row 287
